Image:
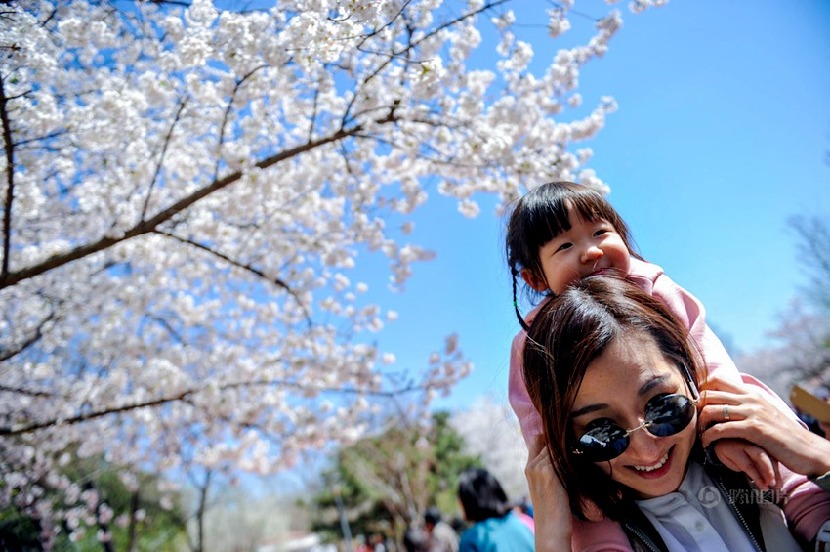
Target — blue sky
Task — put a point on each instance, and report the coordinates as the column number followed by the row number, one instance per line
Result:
column 721, row 136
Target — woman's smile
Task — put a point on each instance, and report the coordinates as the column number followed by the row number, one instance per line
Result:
column 656, row 470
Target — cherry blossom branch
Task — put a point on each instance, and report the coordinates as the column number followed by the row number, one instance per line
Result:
column 244, row 266
column 20, row 429
column 408, row 48
column 27, row 392
column 227, row 115
column 486, row 7
column 149, row 225
column 160, row 163
column 28, row 342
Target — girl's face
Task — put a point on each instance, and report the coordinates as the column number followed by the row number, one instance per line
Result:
column 617, row 385
column 587, row 248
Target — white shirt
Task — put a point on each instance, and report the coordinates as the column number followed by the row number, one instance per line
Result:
column 698, row 518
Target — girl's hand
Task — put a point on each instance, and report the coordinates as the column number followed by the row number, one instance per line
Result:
column 742, row 456
column 752, row 418
column 551, row 514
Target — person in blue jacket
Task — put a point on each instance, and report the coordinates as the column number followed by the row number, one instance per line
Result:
column 495, row 527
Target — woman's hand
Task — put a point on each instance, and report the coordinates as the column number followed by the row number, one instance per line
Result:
column 736, row 412
column 551, row 513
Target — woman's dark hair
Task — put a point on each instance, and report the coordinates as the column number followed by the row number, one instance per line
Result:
column 542, row 214
column 569, row 332
column 481, row 495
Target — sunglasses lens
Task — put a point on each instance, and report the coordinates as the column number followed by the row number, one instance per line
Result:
column 665, row 416
column 669, row 415
column 603, row 442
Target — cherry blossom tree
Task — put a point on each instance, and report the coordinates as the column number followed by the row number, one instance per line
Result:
column 186, row 193
column 491, row 433
column 800, row 344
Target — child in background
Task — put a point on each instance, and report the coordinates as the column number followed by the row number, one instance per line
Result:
column 561, row 232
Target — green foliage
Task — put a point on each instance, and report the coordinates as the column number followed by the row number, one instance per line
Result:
column 386, row 482
column 149, row 526
column 450, row 461
column 18, row 531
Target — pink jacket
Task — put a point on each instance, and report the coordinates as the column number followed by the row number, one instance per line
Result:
column 806, row 506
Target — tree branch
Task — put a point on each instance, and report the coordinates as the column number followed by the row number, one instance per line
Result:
column 20, row 429
column 160, row 163
column 28, row 342
column 244, row 266
column 149, row 225
column 27, row 392
column 7, row 207
column 227, row 115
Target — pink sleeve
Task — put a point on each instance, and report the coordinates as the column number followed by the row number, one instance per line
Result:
column 806, row 506
column 529, row 419
column 599, row 536
column 690, row 311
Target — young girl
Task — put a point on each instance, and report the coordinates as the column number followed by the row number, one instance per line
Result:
column 604, row 356
column 561, row 232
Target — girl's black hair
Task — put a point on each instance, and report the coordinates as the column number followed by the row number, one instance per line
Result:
column 481, row 495
column 542, row 214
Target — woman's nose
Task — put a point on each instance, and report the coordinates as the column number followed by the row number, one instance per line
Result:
column 644, row 447
column 591, row 254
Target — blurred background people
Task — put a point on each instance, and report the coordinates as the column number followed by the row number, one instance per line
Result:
column 495, row 527
column 524, row 511
column 440, row 536
column 415, row 540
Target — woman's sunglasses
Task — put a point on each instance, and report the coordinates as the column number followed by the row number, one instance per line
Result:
column 664, row 415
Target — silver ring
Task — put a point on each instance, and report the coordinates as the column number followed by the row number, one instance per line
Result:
column 726, row 412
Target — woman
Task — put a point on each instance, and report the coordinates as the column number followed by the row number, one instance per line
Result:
column 495, row 527
column 615, row 380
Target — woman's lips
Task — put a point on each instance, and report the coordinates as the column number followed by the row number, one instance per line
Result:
column 656, row 470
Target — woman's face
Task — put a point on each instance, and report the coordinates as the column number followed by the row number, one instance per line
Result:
column 617, row 386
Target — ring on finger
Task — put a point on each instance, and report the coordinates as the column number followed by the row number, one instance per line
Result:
column 726, row 412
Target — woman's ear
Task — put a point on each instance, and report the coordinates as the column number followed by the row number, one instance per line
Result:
column 536, row 283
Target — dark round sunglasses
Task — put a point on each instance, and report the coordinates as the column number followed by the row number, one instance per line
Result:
column 664, row 415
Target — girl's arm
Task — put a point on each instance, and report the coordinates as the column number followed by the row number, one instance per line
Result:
column 529, row 420
column 736, row 455
column 690, row 311
column 753, row 418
